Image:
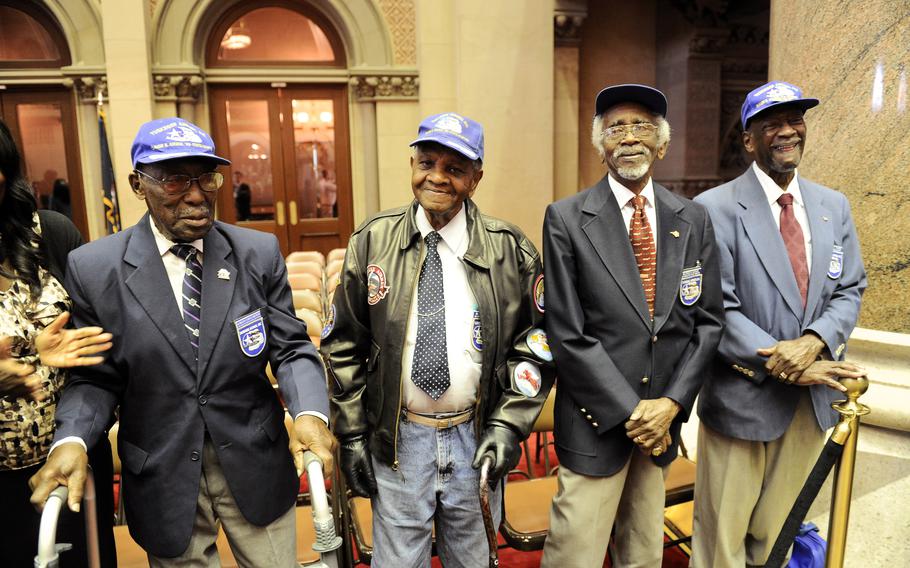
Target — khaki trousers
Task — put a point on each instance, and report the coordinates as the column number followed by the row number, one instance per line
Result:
column 274, row 545
column 744, row 490
column 585, row 507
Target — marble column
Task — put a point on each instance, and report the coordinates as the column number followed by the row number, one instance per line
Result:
column 129, row 83
column 854, row 57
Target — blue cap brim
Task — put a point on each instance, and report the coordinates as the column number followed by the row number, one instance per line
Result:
column 448, row 142
column 803, row 104
column 155, row 158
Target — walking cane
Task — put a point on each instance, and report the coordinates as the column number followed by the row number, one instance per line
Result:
column 485, row 463
column 48, row 549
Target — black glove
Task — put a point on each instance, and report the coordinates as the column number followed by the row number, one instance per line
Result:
column 501, row 442
column 357, row 467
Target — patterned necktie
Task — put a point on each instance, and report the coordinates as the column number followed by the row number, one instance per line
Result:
column 430, row 371
column 643, row 247
column 796, row 245
column 192, row 293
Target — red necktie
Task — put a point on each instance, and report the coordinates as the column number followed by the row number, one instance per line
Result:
column 643, row 247
column 796, row 245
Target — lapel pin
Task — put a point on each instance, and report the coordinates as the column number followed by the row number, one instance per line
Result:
column 825, row 219
column 675, row 234
column 224, row 274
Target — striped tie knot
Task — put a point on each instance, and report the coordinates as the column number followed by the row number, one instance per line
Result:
column 183, row 250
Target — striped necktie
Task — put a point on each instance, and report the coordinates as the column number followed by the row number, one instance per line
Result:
column 643, row 246
column 192, row 293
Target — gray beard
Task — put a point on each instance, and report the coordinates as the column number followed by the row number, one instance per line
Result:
column 633, row 173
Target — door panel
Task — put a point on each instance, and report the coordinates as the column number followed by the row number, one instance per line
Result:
column 43, row 124
column 291, row 163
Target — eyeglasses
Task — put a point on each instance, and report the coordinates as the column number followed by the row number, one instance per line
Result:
column 180, row 183
column 638, row 130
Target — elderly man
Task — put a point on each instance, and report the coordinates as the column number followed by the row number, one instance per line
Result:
column 634, row 316
column 792, row 279
column 436, row 354
column 197, row 308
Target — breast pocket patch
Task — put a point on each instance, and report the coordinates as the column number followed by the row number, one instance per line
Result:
column 836, row 266
column 251, row 333
column 690, row 285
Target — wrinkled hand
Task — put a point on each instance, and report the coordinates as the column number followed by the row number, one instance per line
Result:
column 358, row 467
column 311, row 433
column 17, row 379
column 828, row 372
column 502, row 443
column 67, row 466
column 650, row 421
column 791, row 357
column 61, row 347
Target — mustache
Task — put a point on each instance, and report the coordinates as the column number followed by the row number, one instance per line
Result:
column 630, row 150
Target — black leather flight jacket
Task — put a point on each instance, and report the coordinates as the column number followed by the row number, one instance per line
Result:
column 366, row 327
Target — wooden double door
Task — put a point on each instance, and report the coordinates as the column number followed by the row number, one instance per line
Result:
column 291, row 167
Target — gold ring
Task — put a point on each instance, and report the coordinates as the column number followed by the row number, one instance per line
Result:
column 638, row 440
column 783, row 376
column 656, row 452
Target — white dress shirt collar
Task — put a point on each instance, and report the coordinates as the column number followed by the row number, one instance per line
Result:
column 773, row 191
column 164, row 244
column 623, row 194
column 454, row 234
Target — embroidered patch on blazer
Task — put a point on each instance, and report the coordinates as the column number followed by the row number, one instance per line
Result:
column 377, row 289
column 836, row 266
column 690, row 285
column 537, row 293
column 251, row 333
column 537, row 343
column 527, row 379
column 476, row 331
column 329, row 323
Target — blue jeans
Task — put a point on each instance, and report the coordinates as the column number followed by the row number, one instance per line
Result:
column 434, row 481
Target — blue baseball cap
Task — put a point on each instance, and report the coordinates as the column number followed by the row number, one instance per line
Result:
column 172, row 138
column 772, row 94
column 454, row 131
column 646, row 96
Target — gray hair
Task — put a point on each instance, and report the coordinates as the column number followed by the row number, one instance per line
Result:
column 597, row 131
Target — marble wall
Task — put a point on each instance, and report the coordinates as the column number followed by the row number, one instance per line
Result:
column 854, row 56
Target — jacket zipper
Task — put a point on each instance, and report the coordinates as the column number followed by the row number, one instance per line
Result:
column 395, row 464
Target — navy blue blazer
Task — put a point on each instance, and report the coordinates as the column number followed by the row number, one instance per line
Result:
column 608, row 353
column 763, row 305
column 167, row 402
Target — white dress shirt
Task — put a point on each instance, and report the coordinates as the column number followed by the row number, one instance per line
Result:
column 464, row 359
column 773, row 192
column 623, row 196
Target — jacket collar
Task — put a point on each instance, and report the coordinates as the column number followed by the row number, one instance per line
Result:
column 476, row 253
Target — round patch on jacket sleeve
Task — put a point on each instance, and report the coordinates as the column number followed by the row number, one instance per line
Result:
column 537, row 293
column 377, row 288
column 527, row 379
column 537, row 343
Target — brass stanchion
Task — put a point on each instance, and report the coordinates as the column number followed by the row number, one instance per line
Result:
column 845, row 433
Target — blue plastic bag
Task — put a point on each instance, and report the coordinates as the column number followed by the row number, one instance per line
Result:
column 809, row 549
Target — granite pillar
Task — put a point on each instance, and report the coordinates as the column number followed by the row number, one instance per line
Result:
column 854, row 57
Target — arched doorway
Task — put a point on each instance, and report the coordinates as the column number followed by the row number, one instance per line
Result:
column 41, row 117
column 289, row 141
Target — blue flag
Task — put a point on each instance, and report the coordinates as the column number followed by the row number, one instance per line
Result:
column 108, row 186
